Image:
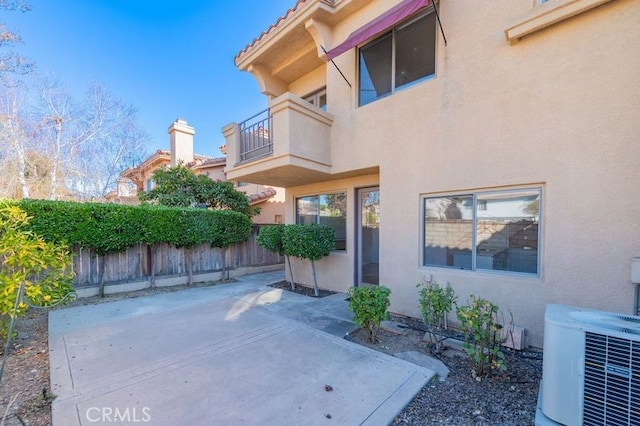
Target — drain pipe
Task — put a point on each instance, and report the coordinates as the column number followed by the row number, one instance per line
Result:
column 635, row 279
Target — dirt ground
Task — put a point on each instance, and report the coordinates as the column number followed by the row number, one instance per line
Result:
column 509, row 399
column 506, row 399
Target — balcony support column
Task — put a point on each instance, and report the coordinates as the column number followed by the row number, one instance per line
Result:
column 231, row 134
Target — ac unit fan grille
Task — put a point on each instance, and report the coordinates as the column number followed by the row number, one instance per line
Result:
column 612, row 381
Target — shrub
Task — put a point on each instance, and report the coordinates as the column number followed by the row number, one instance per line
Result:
column 435, row 303
column 478, row 322
column 271, row 237
column 33, row 272
column 111, row 228
column 311, row 242
column 369, row 306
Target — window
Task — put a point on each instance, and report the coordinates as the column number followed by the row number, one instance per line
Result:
column 497, row 231
column 402, row 56
column 318, row 99
column 325, row 209
column 150, row 184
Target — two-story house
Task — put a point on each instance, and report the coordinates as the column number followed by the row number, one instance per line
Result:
column 490, row 146
column 132, row 180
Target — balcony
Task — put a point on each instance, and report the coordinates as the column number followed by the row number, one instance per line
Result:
column 285, row 145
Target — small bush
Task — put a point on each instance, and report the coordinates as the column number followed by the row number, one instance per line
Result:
column 270, row 238
column 310, row 242
column 435, row 303
column 478, row 322
column 369, row 306
column 33, row 272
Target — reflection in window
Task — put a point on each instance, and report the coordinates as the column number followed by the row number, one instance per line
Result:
column 404, row 55
column 448, row 231
column 488, row 230
column 325, row 209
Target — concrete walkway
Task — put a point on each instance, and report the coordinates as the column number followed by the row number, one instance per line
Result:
column 239, row 353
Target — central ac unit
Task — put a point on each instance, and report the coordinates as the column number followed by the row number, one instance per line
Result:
column 590, row 369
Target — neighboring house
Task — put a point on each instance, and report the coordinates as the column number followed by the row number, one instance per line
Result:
column 140, row 178
column 504, row 163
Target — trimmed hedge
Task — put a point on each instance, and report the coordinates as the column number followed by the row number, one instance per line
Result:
column 311, row 242
column 271, row 238
column 113, row 228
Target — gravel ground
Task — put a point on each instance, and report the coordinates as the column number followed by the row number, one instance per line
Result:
column 509, row 399
column 506, row 399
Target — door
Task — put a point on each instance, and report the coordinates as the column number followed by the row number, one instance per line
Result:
column 368, row 236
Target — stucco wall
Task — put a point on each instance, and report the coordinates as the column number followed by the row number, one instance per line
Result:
column 558, row 110
column 337, row 271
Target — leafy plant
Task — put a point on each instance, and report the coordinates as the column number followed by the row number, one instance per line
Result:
column 228, row 227
column 179, row 186
column 33, row 272
column 112, row 228
column 311, row 242
column 271, row 237
column 478, row 321
column 369, row 306
column 435, row 303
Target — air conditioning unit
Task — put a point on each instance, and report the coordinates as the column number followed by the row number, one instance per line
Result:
column 590, row 369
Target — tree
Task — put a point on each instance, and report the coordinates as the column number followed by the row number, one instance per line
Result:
column 82, row 145
column 61, row 131
column 11, row 61
column 179, row 186
column 271, row 237
column 33, row 272
column 14, row 135
column 311, row 242
column 118, row 139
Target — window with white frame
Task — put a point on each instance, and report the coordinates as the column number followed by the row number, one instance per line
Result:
column 402, row 56
column 325, row 209
column 318, row 98
column 492, row 230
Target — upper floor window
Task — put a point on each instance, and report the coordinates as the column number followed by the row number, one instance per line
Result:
column 325, row 209
column 497, row 231
column 318, row 99
column 404, row 55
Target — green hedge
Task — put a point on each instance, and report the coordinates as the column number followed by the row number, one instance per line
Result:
column 112, row 228
column 311, row 242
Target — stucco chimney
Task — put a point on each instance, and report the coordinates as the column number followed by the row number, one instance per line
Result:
column 181, row 137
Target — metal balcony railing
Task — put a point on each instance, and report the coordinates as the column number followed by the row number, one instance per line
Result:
column 255, row 136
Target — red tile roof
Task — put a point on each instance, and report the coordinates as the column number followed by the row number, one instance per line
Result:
column 261, row 196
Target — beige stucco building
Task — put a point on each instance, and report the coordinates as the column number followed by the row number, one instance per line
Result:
column 503, row 162
column 140, row 178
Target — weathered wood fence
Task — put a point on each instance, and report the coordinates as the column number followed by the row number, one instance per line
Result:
column 136, row 263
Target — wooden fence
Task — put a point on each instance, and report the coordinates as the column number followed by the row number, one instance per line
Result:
column 135, row 264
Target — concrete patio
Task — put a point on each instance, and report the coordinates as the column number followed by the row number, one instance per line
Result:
column 238, row 353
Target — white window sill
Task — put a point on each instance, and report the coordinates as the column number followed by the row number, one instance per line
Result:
column 548, row 14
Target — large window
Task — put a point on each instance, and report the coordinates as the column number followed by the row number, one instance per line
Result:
column 402, row 56
column 497, row 231
column 325, row 209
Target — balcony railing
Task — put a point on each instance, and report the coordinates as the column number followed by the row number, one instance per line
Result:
column 286, row 145
column 255, row 136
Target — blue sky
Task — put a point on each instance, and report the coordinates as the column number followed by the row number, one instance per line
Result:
column 169, row 59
